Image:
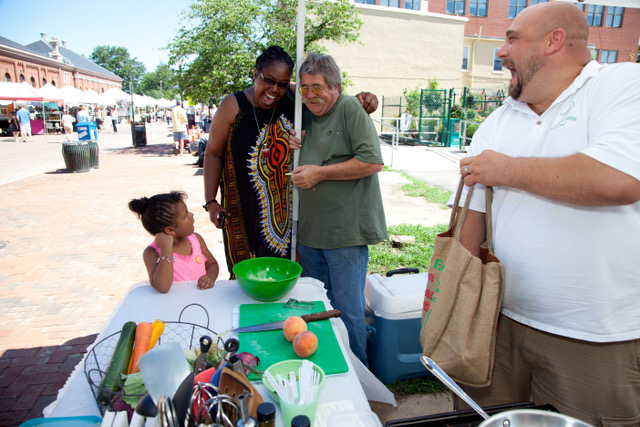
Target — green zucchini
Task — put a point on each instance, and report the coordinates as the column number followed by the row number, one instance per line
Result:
column 118, row 363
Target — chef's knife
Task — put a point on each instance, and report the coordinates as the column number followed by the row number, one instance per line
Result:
column 322, row 315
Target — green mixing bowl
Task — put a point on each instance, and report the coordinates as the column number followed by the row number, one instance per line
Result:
column 267, row 279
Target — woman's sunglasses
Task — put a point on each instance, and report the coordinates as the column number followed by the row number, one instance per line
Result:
column 271, row 82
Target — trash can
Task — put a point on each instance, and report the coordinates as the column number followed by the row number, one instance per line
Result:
column 87, row 131
column 139, row 134
column 94, row 154
column 76, row 156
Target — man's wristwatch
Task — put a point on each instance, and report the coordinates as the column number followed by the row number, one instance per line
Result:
column 206, row 205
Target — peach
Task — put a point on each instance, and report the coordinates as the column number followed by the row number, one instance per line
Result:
column 293, row 326
column 305, row 344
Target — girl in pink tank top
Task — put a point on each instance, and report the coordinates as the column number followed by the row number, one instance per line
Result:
column 177, row 252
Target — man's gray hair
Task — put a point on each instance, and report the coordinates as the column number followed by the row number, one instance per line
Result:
column 322, row 64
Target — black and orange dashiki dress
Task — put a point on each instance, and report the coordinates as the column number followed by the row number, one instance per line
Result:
column 255, row 189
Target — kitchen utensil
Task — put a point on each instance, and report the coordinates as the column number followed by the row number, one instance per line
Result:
column 294, row 303
column 271, row 346
column 283, row 368
column 182, row 397
column 446, row 380
column 512, row 418
column 532, row 417
column 146, row 406
column 267, row 278
column 163, row 369
column 202, row 362
column 269, row 326
column 235, row 384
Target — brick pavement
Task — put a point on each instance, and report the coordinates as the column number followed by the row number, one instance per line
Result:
column 70, row 249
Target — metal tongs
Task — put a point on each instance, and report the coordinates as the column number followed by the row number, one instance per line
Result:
column 294, row 303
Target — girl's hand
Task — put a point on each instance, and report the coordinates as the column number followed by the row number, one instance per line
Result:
column 164, row 241
column 206, row 282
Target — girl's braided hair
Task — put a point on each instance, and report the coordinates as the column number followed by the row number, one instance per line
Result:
column 157, row 212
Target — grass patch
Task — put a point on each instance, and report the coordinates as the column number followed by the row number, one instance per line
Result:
column 422, row 385
column 383, row 257
column 417, row 188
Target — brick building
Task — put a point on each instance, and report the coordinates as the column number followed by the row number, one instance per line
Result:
column 404, row 43
column 50, row 61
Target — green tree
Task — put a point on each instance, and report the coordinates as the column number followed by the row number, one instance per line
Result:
column 217, row 54
column 159, row 83
column 117, row 60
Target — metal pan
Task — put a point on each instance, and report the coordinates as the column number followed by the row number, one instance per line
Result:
column 512, row 418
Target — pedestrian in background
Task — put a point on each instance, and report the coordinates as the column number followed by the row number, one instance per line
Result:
column 67, row 124
column 15, row 126
column 24, row 119
column 179, row 119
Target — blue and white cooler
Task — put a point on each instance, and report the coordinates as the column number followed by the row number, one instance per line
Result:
column 394, row 310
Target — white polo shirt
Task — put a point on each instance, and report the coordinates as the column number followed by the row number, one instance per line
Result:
column 570, row 270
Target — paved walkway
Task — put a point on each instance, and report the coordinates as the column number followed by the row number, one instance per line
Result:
column 70, row 248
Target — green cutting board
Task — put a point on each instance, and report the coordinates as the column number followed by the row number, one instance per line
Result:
column 272, row 347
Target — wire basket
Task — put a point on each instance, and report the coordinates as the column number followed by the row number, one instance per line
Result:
column 95, row 364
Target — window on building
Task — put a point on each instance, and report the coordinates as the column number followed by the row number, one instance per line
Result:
column 533, row 2
column 53, row 83
column 594, row 15
column 21, row 78
column 515, row 7
column 455, row 7
column 7, row 77
column 478, row 7
column 609, row 57
column 391, row 3
column 594, row 54
column 412, row 4
column 497, row 62
column 465, row 58
column 44, row 81
column 614, row 16
column 32, row 82
column 366, row 1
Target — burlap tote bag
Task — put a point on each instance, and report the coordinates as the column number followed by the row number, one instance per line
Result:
column 462, row 302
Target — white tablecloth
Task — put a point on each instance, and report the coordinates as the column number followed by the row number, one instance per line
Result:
column 143, row 303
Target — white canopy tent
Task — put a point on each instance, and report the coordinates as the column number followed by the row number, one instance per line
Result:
column 10, row 91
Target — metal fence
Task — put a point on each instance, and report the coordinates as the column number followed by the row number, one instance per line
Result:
column 437, row 118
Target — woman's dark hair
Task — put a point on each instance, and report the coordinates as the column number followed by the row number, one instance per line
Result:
column 157, row 212
column 274, row 54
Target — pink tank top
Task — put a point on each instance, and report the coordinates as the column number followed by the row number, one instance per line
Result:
column 187, row 267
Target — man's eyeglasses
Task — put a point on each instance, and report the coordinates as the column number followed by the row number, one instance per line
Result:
column 271, row 82
column 316, row 90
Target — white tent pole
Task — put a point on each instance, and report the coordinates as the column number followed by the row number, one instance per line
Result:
column 297, row 119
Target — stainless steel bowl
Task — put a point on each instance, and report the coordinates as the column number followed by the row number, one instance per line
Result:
column 531, row 418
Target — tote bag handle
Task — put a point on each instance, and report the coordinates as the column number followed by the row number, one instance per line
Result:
column 465, row 209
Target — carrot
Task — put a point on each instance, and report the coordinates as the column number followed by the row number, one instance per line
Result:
column 140, row 345
column 156, row 330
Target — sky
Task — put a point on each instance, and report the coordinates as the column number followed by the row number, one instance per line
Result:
column 141, row 26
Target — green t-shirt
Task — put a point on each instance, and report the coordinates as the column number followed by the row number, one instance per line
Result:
column 338, row 214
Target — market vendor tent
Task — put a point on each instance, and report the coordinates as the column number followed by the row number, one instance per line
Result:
column 10, row 91
column 71, row 95
column 50, row 93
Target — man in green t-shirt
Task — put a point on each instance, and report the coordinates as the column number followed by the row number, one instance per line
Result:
column 341, row 209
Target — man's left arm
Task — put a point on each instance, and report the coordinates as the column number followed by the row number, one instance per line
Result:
column 307, row 176
column 577, row 179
